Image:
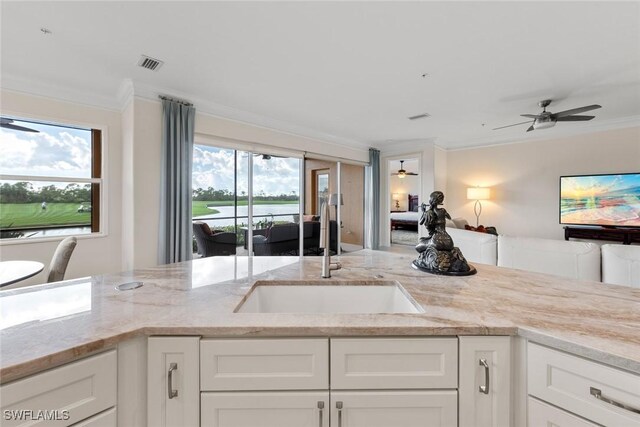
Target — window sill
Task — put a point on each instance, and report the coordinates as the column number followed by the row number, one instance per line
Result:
column 11, row 242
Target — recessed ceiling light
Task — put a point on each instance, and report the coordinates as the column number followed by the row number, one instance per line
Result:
column 45, row 31
column 425, row 75
column 420, row 116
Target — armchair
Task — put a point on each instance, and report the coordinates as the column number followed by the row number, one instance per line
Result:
column 213, row 243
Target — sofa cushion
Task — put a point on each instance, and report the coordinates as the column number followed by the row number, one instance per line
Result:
column 460, row 222
column 479, row 248
column 450, row 224
column 575, row 260
column 621, row 265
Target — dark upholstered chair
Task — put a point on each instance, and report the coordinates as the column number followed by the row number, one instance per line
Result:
column 213, row 243
column 280, row 239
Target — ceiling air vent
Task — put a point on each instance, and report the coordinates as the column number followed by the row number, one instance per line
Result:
column 150, row 63
column 420, row 116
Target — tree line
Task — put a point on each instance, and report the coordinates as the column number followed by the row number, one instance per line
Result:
column 24, row 192
column 211, row 194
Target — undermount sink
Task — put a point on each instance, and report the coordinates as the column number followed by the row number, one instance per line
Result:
column 320, row 297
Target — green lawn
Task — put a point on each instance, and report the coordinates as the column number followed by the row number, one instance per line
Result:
column 200, row 208
column 20, row 215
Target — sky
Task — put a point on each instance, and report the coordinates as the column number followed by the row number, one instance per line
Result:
column 63, row 151
column 54, row 151
column 590, row 186
column 213, row 167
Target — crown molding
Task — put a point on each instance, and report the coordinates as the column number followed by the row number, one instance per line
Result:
column 393, row 147
column 544, row 135
column 48, row 90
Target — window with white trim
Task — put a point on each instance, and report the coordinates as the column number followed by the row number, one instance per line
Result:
column 50, row 179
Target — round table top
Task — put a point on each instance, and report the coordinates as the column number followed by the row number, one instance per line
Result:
column 15, row 271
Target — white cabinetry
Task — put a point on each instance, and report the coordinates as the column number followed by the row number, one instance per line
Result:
column 394, row 408
column 544, row 415
column 265, row 409
column 173, row 392
column 599, row 393
column 485, row 381
column 65, row 395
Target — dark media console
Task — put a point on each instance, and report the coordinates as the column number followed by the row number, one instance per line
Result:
column 624, row 235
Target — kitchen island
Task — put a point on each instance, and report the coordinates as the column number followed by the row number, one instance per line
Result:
column 53, row 324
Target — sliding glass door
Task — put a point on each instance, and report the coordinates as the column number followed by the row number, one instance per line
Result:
column 240, row 194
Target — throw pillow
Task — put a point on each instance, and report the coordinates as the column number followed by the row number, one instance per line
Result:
column 460, row 222
column 206, row 228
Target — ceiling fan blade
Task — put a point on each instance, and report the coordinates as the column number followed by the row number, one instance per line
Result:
column 530, row 128
column 531, row 116
column 508, row 126
column 411, row 173
column 574, row 118
column 16, row 127
column 576, row 111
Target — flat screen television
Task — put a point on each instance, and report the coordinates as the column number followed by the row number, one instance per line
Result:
column 601, row 200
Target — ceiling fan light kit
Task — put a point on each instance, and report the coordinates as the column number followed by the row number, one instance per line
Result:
column 547, row 119
column 402, row 173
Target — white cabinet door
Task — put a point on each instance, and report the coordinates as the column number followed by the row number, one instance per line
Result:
column 485, row 374
column 544, row 415
column 265, row 409
column 173, row 367
column 394, row 409
column 67, row 394
column 393, row 363
column 108, row 418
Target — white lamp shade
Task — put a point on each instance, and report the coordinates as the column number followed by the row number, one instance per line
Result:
column 478, row 193
column 395, row 196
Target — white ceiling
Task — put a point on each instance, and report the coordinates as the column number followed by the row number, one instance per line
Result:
column 348, row 71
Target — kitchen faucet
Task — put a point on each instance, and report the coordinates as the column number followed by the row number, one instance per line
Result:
column 325, row 233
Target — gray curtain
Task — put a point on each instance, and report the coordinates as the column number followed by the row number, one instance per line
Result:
column 372, row 194
column 176, row 234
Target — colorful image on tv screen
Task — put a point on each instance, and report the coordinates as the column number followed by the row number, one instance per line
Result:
column 611, row 200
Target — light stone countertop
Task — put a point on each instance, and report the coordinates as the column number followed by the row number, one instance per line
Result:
column 48, row 325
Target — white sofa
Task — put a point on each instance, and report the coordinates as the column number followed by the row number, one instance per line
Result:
column 481, row 248
column 621, row 265
column 575, row 260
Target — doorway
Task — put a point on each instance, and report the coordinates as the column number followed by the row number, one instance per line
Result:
column 404, row 200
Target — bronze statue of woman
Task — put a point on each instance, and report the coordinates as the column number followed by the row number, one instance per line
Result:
column 437, row 254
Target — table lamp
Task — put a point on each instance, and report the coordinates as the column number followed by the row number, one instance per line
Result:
column 477, row 194
column 396, row 199
column 333, row 201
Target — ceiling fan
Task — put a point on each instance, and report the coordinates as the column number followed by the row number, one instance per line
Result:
column 8, row 124
column 402, row 172
column 547, row 119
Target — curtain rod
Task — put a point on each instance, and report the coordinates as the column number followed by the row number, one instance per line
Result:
column 179, row 101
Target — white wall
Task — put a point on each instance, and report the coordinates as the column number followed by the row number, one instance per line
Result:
column 92, row 255
column 410, row 184
column 142, row 130
column 524, row 177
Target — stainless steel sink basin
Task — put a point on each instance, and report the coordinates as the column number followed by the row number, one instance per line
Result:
column 328, row 297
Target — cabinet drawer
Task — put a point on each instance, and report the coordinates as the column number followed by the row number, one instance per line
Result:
column 566, row 381
column 542, row 415
column 394, row 363
column 82, row 388
column 107, row 418
column 265, row 409
column 395, row 408
column 264, row 364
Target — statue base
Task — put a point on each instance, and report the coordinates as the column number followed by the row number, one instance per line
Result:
column 472, row 270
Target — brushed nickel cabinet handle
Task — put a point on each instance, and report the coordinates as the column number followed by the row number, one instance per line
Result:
column 320, row 412
column 172, row 393
column 485, row 388
column 597, row 393
column 339, row 408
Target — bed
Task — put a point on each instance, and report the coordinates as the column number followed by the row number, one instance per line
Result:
column 407, row 219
